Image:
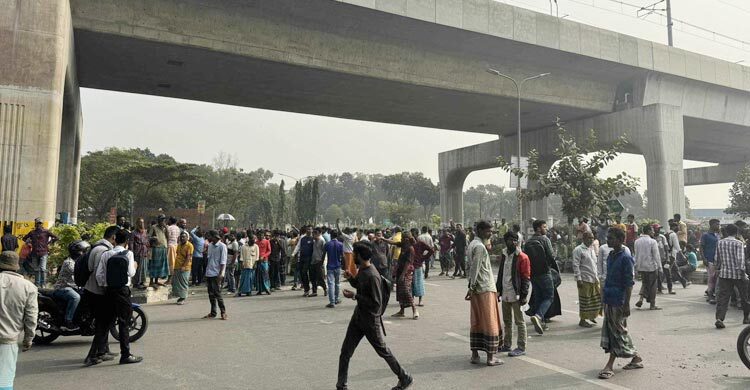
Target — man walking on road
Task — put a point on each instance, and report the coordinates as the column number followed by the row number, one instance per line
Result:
column 648, row 264
column 366, row 320
column 216, row 264
column 459, row 242
column 18, row 305
column 539, row 250
column 584, row 270
column 730, row 265
column 335, row 254
column 616, row 340
column 709, row 241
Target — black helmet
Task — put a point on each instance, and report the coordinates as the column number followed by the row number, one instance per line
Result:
column 78, row 248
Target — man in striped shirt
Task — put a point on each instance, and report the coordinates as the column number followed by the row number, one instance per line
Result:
column 730, row 265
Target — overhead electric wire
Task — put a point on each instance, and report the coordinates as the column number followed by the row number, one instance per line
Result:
column 714, row 33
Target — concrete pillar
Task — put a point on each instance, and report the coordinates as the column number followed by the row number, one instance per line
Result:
column 452, row 196
column 661, row 140
column 69, row 167
column 454, row 166
column 69, row 163
column 35, row 39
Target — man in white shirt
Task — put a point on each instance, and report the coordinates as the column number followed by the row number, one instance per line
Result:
column 115, row 278
column 584, row 270
column 648, row 264
column 674, row 250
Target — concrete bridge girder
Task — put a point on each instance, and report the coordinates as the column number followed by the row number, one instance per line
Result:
column 655, row 131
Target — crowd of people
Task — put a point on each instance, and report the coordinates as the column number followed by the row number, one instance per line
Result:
column 607, row 258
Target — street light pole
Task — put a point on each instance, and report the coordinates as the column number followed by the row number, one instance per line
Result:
column 518, row 134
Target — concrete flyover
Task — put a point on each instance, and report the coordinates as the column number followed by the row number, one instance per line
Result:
column 415, row 62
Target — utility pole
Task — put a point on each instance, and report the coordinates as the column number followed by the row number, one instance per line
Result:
column 651, row 9
column 669, row 22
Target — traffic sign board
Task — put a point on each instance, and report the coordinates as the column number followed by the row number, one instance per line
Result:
column 514, row 178
column 615, row 206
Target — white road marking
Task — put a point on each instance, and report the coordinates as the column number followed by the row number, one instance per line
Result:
column 703, row 302
column 326, row 322
column 432, row 284
column 552, row 367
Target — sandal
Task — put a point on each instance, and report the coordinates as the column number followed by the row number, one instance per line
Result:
column 475, row 361
column 495, row 362
column 633, row 366
column 209, row 316
column 398, row 315
column 606, row 374
column 224, row 316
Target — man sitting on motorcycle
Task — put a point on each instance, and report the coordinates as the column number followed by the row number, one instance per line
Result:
column 65, row 287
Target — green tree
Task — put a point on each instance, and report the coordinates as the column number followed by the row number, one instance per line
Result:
column 739, row 194
column 576, row 177
column 112, row 177
column 281, row 208
column 333, row 213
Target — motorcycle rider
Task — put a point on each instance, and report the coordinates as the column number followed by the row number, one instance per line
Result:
column 65, row 287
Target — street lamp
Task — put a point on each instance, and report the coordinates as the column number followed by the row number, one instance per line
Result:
column 292, row 177
column 518, row 157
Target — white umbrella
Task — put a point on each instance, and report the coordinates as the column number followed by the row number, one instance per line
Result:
column 225, row 217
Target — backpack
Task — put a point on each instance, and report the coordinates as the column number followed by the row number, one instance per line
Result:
column 81, row 270
column 681, row 260
column 117, row 270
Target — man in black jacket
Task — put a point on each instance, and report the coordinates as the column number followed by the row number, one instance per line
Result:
column 460, row 244
column 366, row 320
column 541, row 256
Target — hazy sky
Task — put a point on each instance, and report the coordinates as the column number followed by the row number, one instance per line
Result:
column 296, row 144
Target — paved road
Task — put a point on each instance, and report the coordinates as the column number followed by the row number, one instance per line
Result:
column 284, row 341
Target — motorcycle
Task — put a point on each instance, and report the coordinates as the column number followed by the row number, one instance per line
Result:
column 743, row 346
column 52, row 316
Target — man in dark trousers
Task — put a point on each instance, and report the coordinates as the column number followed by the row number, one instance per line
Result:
column 114, row 272
column 366, row 320
column 460, row 243
column 93, row 298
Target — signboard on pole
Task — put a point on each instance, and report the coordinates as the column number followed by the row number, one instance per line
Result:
column 113, row 215
column 201, row 207
column 615, row 206
column 514, row 178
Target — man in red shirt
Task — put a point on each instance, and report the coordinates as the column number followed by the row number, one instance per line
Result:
column 264, row 252
column 631, row 233
column 41, row 239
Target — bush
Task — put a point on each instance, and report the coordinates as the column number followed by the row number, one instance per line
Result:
column 69, row 233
